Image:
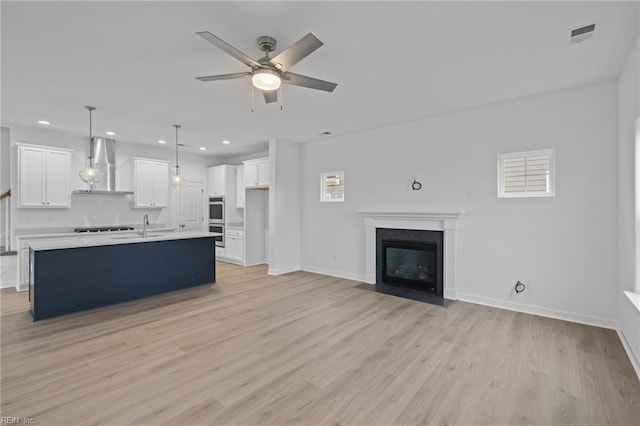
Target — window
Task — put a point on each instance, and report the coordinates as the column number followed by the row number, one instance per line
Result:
column 331, row 187
column 527, row 174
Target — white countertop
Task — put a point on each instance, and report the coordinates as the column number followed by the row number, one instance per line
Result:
column 89, row 234
column 119, row 238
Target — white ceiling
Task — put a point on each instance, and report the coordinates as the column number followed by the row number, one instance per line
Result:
column 394, row 62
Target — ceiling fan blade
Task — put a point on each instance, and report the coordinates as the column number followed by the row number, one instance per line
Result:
column 270, row 96
column 229, row 49
column 296, row 52
column 224, row 76
column 310, row 82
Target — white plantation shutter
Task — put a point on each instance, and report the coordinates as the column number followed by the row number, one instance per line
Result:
column 526, row 174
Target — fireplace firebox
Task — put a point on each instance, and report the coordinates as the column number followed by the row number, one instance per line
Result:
column 409, row 263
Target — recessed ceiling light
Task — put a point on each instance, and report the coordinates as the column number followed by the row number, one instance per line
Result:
column 226, row 142
column 45, row 122
column 110, row 133
column 161, row 141
column 202, row 148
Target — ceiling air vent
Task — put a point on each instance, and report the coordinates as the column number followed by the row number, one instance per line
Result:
column 578, row 35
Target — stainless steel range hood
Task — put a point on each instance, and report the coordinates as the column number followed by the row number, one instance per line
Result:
column 103, row 152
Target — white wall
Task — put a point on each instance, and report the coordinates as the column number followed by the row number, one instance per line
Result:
column 5, row 141
column 628, row 209
column 5, row 179
column 284, row 207
column 565, row 246
column 100, row 210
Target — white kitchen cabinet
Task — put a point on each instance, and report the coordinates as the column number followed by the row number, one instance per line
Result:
column 234, row 245
column 43, row 176
column 256, row 173
column 222, row 181
column 151, row 183
column 217, row 180
column 240, row 189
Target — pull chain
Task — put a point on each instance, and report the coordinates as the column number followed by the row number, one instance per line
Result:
column 252, row 96
column 281, row 98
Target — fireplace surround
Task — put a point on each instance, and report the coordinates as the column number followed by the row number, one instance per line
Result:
column 447, row 222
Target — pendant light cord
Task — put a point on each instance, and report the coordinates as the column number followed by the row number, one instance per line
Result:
column 177, row 126
column 91, row 109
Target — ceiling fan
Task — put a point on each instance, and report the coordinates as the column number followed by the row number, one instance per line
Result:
column 268, row 73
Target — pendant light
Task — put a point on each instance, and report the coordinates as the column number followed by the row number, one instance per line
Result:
column 177, row 181
column 91, row 174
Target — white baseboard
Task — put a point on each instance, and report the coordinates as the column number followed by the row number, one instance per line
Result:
column 331, row 273
column 7, row 284
column 257, row 263
column 227, row 260
column 537, row 310
column 635, row 362
column 285, row 270
column 450, row 294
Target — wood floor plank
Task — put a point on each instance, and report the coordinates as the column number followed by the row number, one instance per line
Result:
column 308, row 349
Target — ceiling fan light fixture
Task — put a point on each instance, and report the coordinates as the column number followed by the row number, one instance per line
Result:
column 266, row 79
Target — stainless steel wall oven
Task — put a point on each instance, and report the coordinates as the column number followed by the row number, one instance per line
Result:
column 218, row 227
column 216, row 210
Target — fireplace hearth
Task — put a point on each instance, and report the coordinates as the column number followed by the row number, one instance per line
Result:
column 409, row 263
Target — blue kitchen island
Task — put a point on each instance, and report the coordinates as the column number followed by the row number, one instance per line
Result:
column 73, row 275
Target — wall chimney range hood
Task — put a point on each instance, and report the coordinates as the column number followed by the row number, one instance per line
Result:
column 103, row 150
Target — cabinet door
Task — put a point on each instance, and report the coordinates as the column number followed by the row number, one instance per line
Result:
column 57, row 190
column 251, row 174
column 216, row 181
column 144, row 183
column 160, row 183
column 31, row 190
column 240, row 191
column 263, row 173
column 233, row 245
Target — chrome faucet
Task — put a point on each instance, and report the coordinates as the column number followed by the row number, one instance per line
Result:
column 145, row 222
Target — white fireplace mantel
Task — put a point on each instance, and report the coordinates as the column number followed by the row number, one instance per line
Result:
column 428, row 221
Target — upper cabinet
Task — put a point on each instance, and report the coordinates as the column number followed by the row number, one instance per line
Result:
column 43, row 176
column 151, row 183
column 222, row 180
column 256, row 173
column 217, row 180
column 240, row 189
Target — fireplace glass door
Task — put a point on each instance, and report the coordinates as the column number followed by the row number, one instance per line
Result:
column 409, row 263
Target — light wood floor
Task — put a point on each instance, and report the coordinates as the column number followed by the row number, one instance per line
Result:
column 309, row 349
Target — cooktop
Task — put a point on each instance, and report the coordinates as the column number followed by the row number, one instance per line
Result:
column 104, row 229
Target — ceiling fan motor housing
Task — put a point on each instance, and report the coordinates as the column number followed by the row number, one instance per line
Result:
column 267, row 43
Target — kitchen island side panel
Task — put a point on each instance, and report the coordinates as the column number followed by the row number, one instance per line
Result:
column 76, row 279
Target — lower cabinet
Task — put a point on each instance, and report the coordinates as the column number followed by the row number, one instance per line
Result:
column 234, row 245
